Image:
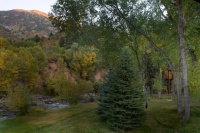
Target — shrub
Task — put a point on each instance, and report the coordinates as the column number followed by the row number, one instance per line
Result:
column 18, row 98
column 96, row 86
column 65, row 89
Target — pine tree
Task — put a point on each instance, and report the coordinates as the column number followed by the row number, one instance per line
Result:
column 104, row 90
column 121, row 101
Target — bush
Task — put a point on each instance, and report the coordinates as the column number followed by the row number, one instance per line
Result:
column 65, row 89
column 96, row 86
column 18, row 98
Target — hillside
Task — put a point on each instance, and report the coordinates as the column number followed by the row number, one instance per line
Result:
column 18, row 23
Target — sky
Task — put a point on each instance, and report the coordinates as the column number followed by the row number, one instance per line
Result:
column 41, row 5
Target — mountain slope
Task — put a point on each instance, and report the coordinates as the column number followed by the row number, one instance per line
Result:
column 25, row 24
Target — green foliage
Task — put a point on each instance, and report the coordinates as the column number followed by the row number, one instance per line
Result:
column 27, row 67
column 149, row 71
column 18, row 98
column 121, row 102
column 39, row 55
column 97, row 85
column 24, row 43
column 61, row 42
column 82, row 60
column 54, row 52
column 158, row 84
column 71, row 20
column 36, row 39
column 60, row 85
column 17, row 65
column 83, row 119
column 68, row 90
column 194, row 78
column 61, row 65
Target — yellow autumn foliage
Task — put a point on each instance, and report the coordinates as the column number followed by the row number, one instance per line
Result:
column 21, row 97
column 1, row 64
column 17, row 66
column 83, row 60
column 160, row 45
column 143, row 40
column 4, row 44
column 148, row 51
column 8, row 69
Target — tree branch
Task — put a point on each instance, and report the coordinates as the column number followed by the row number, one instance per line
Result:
column 147, row 37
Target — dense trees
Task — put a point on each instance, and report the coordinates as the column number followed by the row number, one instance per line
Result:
column 19, row 75
column 25, row 70
column 135, row 19
column 93, row 34
column 8, row 69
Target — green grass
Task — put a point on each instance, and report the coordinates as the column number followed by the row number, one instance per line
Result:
column 161, row 118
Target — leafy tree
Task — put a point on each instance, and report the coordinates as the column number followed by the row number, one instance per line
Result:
column 39, row 55
column 61, row 64
column 185, row 17
column 194, row 78
column 66, row 17
column 61, row 42
column 8, row 69
column 158, row 85
column 18, row 98
column 122, row 99
column 5, row 44
column 54, row 51
column 82, row 60
column 27, row 68
column 144, row 17
column 149, row 72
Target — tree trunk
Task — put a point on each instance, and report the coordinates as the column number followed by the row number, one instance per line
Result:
column 178, row 81
column 173, row 90
column 159, row 94
column 181, row 30
column 160, row 78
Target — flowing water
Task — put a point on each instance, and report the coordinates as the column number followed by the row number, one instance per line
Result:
column 44, row 102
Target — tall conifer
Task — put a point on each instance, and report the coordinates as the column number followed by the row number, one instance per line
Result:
column 121, row 101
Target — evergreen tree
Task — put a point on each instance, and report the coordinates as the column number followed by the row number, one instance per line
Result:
column 37, row 39
column 121, row 97
column 104, row 90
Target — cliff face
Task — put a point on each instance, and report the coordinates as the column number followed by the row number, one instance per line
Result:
column 18, row 23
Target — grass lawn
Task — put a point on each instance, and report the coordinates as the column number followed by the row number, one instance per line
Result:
column 161, row 118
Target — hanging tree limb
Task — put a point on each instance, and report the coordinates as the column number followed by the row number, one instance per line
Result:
column 132, row 24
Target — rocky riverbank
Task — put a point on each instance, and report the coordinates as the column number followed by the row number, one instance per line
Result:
column 39, row 102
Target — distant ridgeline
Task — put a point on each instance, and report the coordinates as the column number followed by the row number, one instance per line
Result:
column 18, row 24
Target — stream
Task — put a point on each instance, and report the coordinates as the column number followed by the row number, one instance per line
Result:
column 42, row 102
